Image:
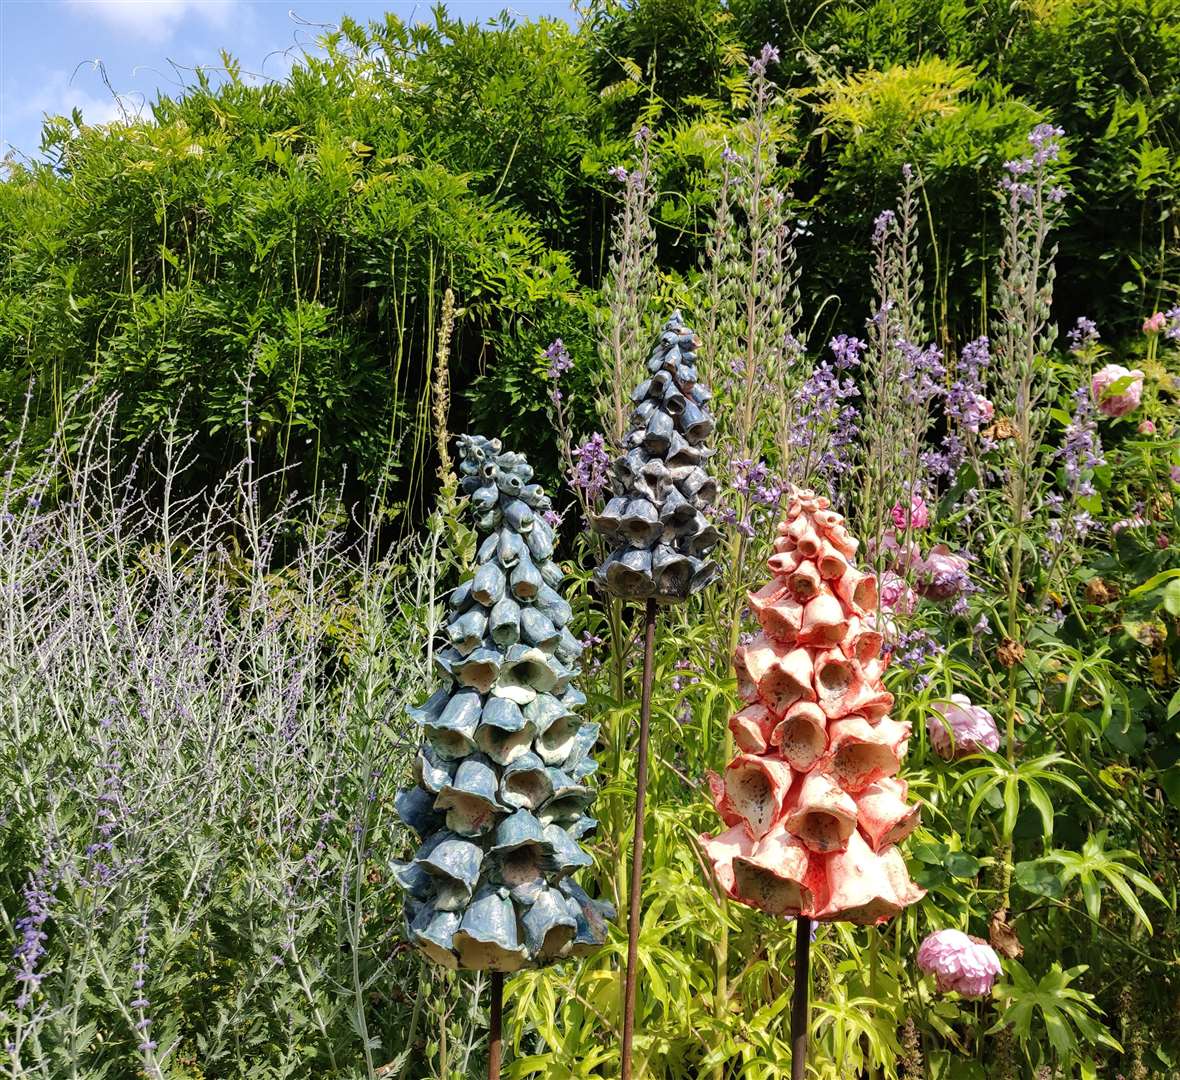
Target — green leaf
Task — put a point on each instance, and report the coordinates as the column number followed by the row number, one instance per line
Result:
column 1040, row 878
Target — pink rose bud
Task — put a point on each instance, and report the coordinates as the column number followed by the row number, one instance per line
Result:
column 1124, row 400
column 919, row 513
column 961, row 728
column 958, row 962
column 1146, row 427
column 1155, row 324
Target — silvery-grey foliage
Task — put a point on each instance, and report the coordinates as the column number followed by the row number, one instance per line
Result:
column 655, row 520
column 501, row 796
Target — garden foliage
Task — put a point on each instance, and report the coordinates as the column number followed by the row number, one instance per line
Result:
column 930, row 255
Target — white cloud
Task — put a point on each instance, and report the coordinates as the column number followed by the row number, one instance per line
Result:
column 58, row 94
column 154, row 20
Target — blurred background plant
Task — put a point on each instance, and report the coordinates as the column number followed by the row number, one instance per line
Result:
column 220, row 562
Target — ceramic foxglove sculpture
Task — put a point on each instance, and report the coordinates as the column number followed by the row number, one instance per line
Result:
column 812, row 802
column 502, row 796
column 655, row 520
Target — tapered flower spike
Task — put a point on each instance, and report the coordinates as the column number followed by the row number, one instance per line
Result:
column 656, row 518
column 812, row 805
column 501, row 798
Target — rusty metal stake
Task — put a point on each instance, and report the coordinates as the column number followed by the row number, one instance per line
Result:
column 799, row 998
column 637, row 848
column 496, row 1034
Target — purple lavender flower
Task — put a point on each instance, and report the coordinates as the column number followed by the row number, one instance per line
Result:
column 32, row 937
column 617, row 172
column 1173, row 331
column 884, row 221
column 591, row 466
column 913, row 648
column 922, row 372
column 1082, row 447
column 768, row 56
column 1083, row 334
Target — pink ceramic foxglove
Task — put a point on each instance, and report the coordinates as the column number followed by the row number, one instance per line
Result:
column 812, row 805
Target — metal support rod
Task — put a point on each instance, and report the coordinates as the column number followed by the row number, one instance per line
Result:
column 637, row 848
column 496, row 1032
column 799, row 998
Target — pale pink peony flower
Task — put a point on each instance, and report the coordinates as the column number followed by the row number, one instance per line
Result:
column 958, row 962
column 1146, row 427
column 971, row 728
column 1155, row 324
column 896, row 596
column 1123, row 402
column 942, row 575
column 919, row 513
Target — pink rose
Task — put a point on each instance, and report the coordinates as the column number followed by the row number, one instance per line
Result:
column 919, row 513
column 1126, row 399
column 961, row 728
column 1155, row 324
column 1146, row 427
column 959, row 962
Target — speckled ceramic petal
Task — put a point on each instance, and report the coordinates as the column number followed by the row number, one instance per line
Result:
column 470, row 799
column 549, row 927
column 415, row 806
column 487, row 939
column 537, row 629
column 455, row 865
column 504, row 622
column 433, row 932
column 526, row 783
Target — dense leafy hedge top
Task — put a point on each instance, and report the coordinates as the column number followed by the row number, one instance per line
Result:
column 286, row 244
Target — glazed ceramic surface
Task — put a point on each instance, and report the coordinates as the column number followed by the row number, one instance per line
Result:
column 655, row 520
column 503, row 768
column 812, row 803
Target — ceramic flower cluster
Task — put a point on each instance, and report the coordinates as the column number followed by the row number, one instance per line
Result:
column 501, row 796
column 655, row 520
column 812, row 802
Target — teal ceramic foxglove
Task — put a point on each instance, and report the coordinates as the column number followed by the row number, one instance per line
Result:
column 502, row 773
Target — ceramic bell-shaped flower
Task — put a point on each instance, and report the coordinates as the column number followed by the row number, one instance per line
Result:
column 812, row 805
column 500, row 798
column 655, row 522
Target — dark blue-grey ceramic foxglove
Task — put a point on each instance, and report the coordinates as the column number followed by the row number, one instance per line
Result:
column 656, row 519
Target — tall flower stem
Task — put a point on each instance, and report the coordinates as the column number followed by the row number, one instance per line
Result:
column 496, row 1026
column 649, row 639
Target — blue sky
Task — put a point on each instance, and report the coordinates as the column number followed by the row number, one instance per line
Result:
column 51, row 50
